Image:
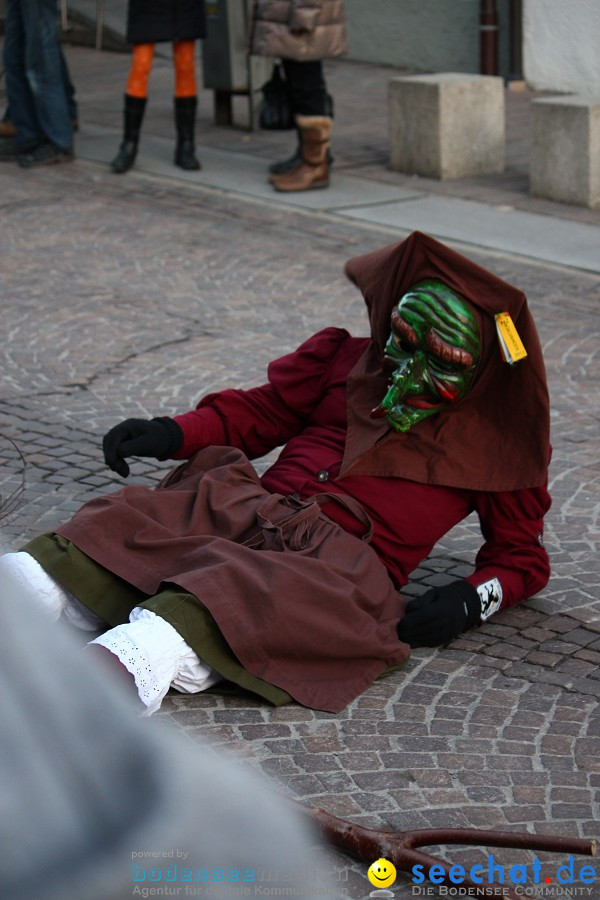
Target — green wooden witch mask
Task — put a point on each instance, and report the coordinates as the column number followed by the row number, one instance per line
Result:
column 430, row 356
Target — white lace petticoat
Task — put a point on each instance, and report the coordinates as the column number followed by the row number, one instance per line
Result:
column 158, row 658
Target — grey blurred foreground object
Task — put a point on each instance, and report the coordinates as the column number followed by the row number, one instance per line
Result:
column 93, row 796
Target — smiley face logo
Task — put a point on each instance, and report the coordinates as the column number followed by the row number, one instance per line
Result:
column 381, row 873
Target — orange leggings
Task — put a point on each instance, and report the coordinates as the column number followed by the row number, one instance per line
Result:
column 183, row 62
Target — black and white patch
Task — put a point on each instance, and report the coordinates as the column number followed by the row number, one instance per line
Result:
column 490, row 594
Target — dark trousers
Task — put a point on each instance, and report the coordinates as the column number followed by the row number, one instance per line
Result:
column 35, row 73
column 308, row 91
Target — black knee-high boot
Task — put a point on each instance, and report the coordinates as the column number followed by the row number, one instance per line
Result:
column 185, row 123
column 133, row 115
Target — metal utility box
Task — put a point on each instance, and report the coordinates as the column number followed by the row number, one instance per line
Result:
column 228, row 67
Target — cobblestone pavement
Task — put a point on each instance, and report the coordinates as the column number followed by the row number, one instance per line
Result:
column 134, row 297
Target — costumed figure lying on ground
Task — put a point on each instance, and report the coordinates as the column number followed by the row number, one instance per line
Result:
column 290, row 584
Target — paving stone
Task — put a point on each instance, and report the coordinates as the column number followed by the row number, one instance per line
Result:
column 494, row 662
column 541, row 658
column 263, row 732
column 506, row 651
column 431, row 777
column 525, row 813
column 447, row 727
column 389, row 780
column 562, row 647
column 519, row 734
column 530, row 779
column 572, row 709
column 336, row 782
column 581, row 636
column 280, row 766
column 529, row 795
column 528, row 718
column 587, row 685
column 592, row 656
column 568, row 794
column 577, row 667
column 407, row 761
column 560, row 624
column 537, row 633
column 486, row 795
column 572, row 811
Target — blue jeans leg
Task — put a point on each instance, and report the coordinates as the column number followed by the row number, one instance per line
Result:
column 34, row 73
column 19, row 95
column 69, row 89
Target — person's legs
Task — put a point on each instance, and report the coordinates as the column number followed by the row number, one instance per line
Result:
column 7, row 126
column 185, row 104
column 91, row 597
column 312, row 107
column 136, row 94
column 306, row 84
column 147, row 650
column 20, row 97
column 142, row 57
column 308, row 95
column 184, row 64
column 43, row 65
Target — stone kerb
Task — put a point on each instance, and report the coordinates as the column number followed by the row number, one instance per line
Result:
column 446, row 125
column 565, row 149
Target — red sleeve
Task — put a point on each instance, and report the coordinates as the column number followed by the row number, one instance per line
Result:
column 260, row 419
column 512, row 523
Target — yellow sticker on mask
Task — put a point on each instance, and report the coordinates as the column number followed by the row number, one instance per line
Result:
column 511, row 344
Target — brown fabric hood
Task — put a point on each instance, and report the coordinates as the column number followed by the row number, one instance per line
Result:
column 497, row 437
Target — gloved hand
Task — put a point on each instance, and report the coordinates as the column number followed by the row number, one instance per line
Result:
column 159, row 438
column 440, row 615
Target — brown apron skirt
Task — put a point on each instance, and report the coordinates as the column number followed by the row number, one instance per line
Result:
column 301, row 604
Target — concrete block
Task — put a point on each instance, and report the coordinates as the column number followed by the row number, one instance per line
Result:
column 446, row 125
column 565, row 149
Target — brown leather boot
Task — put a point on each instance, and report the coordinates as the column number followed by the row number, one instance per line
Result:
column 313, row 171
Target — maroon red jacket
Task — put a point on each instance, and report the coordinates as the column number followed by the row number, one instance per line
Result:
column 303, row 408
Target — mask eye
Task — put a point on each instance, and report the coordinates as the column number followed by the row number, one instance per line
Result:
column 402, row 344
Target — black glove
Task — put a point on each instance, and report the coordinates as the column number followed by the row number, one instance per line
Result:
column 440, row 615
column 159, row 438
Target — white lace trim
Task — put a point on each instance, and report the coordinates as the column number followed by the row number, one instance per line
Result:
column 158, row 657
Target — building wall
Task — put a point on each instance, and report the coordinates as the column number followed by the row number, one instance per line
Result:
column 422, row 35
column 561, row 45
